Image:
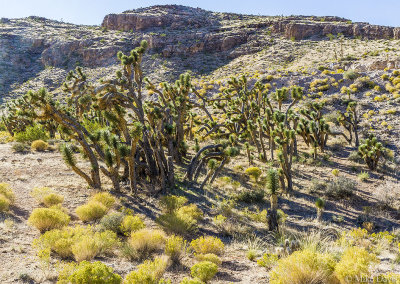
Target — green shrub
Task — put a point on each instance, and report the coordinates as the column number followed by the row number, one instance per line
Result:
column 187, row 280
column 149, row 272
column 112, row 222
column 209, row 257
column 204, row 270
column 131, row 224
column 355, row 157
column 305, row 266
column 191, row 210
column 46, row 196
column 53, row 199
column 82, row 243
column 170, row 203
column 7, row 192
column 254, row 172
column 180, row 224
column 341, row 187
column 316, row 186
column 85, row 249
column 31, row 133
column 4, row 203
column 39, row 193
column 91, row 211
column 350, row 75
column 355, row 262
column 86, row 272
column 268, row 260
column 208, row 244
column 363, row 176
column 7, row 197
column 104, row 198
column 91, row 245
column 175, row 248
column 61, row 241
column 39, row 145
column 5, row 137
column 249, row 196
column 145, row 242
column 45, row 219
column 20, row 147
column 251, row 254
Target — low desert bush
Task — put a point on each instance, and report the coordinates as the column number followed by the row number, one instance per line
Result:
column 208, row 244
column 89, row 246
column 355, row 157
column 268, row 260
column 175, row 248
column 112, row 222
column 209, row 257
column 145, row 242
column 46, row 196
column 335, row 172
column 188, row 280
column 31, row 133
column 82, row 243
column 45, row 219
column 354, row 264
column 350, row 75
column 93, row 210
column 149, row 272
column 170, row 203
column 86, row 272
column 104, row 198
column 204, row 270
column 131, row 224
column 341, row 187
column 316, row 186
column 5, row 137
column 38, row 193
column 7, row 197
column 180, row 224
column 60, row 241
column 254, row 172
column 251, row 254
column 191, row 210
column 7, row 192
column 53, row 199
column 249, row 196
column 20, row 147
column 363, row 176
column 85, row 249
column 4, row 203
column 39, row 145
column 386, row 195
column 305, row 266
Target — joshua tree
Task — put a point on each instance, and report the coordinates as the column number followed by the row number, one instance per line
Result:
column 371, row 151
column 120, row 134
column 248, row 152
column 219, row 152
column 320, row 205
column 350, row 120
column 313, row 128
column 272, row 188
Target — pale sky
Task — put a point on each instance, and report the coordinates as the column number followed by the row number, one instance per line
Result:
column 91, row 12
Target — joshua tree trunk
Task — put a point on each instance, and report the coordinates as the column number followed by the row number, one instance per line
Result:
column 319, row 214
column 272, row 214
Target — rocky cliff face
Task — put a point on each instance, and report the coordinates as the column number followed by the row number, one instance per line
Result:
column 36, row 51
column 179, row 17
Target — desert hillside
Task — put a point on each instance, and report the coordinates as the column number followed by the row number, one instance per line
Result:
column 171, row 144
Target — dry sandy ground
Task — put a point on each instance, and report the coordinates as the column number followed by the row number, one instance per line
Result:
column 26, row 171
